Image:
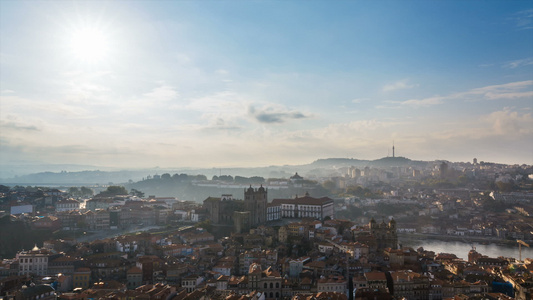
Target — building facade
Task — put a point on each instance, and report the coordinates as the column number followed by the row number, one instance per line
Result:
column 305, row 207
column 220, row 210
column 34, row 261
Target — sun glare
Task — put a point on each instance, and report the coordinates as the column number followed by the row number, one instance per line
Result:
column 89, row 45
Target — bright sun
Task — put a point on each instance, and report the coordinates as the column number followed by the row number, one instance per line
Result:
column 89, row 45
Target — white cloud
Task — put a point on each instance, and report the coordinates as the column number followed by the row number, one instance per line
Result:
column 508, row 91
column 507, row 122
column 523, row 19
column 423, row 102
column 518, row 63
column 399, row 85
column 162, row 93
column 359, row 100
column 271, row 114
column 225, row 101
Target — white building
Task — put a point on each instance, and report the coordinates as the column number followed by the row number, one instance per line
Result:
column 305, row 207
column 332, row 284
column 67, row 205
column 21, row 208
column 273, row 212
column 34, row 261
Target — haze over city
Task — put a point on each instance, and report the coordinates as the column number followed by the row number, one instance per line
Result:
column 234, row 83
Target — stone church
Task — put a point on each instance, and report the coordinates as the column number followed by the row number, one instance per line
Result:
column 385, row 234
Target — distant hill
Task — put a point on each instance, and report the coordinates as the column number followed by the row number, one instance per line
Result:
column 320, row 167
column 345, row 162
column 396, row 162
column 382, row 162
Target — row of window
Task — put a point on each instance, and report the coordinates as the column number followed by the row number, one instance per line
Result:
column 30, row 260
column 29, row 268
column 265, row 285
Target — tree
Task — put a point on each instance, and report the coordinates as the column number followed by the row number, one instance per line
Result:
column 226, row 178
column 74, row 191
column 205, row 225
column 166, row 176
column 505, row 186
column 201, row 177
column 114, row 190
column 86, row 192
column 137, row 193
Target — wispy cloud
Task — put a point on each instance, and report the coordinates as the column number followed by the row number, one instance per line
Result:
column 359, row 100
column 217, row 102
column 220, row 124
column 509, row 91
column 523, row 19
column 518, row 63
column 399, row 85
column 12, row 125
column 162, row 93
column 424, row 102
column 508, row 122
column 274, row 114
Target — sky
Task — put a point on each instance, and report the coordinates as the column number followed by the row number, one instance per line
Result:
column 133, row 84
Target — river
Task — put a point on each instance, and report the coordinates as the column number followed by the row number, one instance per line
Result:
column 461, row 249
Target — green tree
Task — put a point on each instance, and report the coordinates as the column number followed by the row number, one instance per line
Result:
column 505, row 186
column 114, row 190
column 201, row 177
column 86, row 192
column 74, row 191
column 135, row 192
column 205, row 225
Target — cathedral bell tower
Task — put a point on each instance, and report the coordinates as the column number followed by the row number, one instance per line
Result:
column 255, row 201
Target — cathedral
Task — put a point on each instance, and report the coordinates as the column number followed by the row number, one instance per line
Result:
column 243, row 215
column 255, row 201
column 385, row 234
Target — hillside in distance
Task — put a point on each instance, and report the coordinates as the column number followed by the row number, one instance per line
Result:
column 320, row 167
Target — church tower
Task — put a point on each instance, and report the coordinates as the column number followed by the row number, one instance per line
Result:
column 255, row 201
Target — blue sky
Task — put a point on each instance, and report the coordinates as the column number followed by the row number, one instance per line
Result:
column 254, row 83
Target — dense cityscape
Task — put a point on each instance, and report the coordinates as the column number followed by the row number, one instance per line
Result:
column 342, row 236
column 266, row 150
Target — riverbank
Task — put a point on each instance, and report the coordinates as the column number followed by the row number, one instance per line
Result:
column 461, row 245
column 456, row 238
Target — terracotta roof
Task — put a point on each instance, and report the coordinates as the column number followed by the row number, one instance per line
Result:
column 135, row 270
column 374, row 275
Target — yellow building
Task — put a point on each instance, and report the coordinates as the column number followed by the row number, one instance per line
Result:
column 81, row 278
